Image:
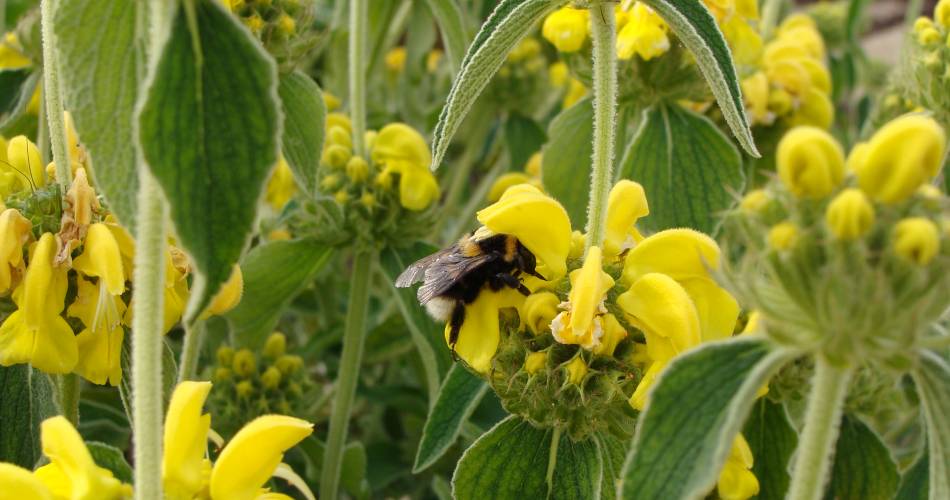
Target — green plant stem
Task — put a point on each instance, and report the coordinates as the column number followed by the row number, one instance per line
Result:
column 54, row 98
column 354, row 334
column 771, row 9
column 913, row 11
column 822, row 423
column 191, row 350
column 69, row 389
column 149, row 280
column 603, row 33
column 359, row 19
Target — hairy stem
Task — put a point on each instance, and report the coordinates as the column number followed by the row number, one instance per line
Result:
column 359, row 18
column 822, row 423
column 191, row 350
column 353, row 336
column 53, row 97
column 69, row 389
column 603, row 29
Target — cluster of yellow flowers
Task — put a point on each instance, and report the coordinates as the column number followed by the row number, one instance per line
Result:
column 249, row 385
column 37, row 269
column 283, row 26
column 872, row 221
column 240, row 471
column 789, row 78
column 931, row 60
column 577, row 342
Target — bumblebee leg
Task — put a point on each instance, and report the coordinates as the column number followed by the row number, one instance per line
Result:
column 455, row 325
column 513, row 282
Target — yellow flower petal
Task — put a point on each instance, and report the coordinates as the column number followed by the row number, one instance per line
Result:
column 718, row 310
column 538, row 221
column 576, row 370
column 252, row 456
column 736, row 481
column 810, row 162
column 626, row 204
column 14, row 232
column 589, row 285
column 850, row 215
column 66, row 449
column 538, row 311
column 916, row 239
column 101, row 258
column 281, row 187
column 614, row 332
column 566, row 28
column 662, row 309
column 535, row 361
column 479, row 335
column 185, row 440
column 504, row 182
column 229, row 296
column 24, row 157
column 644, row 34
column 679, row 253
column 17, row 482
column 639, row 398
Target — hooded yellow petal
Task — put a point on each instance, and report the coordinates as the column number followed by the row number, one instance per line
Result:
column 418, row 188
column 14, row 232
column 718, row 310
column 660, row 307
column 627, row 204
column 398, row 142
column 17, row 482
column 589, row 286
column 229, row 295
column 614, row 332
column 810, row 162
column 679, row 253
column 566, row 28
column 101, row 258
column 644, row 34
column 251, row 458
column 185, row 440
column 24, row 157
column 479, row 335
column 639, row 398
column 736, row 481
column 66, row 449
column 538, row 221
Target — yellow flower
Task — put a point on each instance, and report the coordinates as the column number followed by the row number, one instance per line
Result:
column 17, row 482
column 814, row 109
column 175, row 295
column 755, row 90
column 736, row 481
column 102, row 259
column 23, row 168
column 917, row 240
column 400, row 149
column 504, row 182
column 81, row 198
column 614, row 332
column 184, row 442
column 679, row 253
column 899, row 158
column 433, row 58
column 661, row 308
column 575, row 92
column 480, row 333
column 810, row 162
column 850, row 215
column 538, row 311
column 783, row 236
column 580, row 324
column 396, row 59
column 281, row 187
column 626, row 204
column 755, row 201
column 332, row 103
column 100, row 343
column 11, row 53
column 14, row 233
column 576, row 370
column 538, row 221
column 643, row 34
column 36, row 333
column 229, row 296
column 72, row 473
column 745, row 41
column 567, row 28
column 942, row 13
column 535, row 361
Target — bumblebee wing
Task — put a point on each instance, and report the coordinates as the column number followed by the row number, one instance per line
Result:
column 416, row 271
column 447, row 271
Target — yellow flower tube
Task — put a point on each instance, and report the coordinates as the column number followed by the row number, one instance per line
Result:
column 589, row 285
column 626, row 204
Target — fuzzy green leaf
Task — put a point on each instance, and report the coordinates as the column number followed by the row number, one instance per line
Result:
column 100, row 63
column 111, row 459
column 28, row 399
column 304, row 120
column 511, row 461
column 169, row 376
column 914, row 481
column 697, row 29
column 448, row 16
column 932, row 377
column 510, row 22
column 274, row 273
column 695, row 411
column 565, row 165
column 426, row 333
column 689, row 169
column 613, row 451
column 773, row 440
column 460, row 394
column 209, row 133
column 863, row 469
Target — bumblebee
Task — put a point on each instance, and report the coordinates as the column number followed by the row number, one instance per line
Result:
column 455, row 276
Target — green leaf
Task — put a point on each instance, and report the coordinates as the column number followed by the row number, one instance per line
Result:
column 353, row 472
column 274, row 273
column 511, row 462
column 209, row 131
column 612, row 452
column 914, row 481
column 773, row 440
column 524, row 137
column 28, row 399
column 565, row 165
column 448, row 16
column 16, row 90
column 169, row 376
column 511, row 21
column 100, row 63
column 304, row 119
column 689, row 169
column 695, row 411
column 110, row 458
column 426, row 333
column 863, row 469
column 460, row 394
column 932, row 377
column 697, row 29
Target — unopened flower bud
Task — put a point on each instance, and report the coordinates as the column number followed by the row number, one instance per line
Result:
column 225, row 355
column 576, row 370
column 289, row 364
column 783, row 236
column 222, row 374
column 244, row 389
column 535, row 361
column 276, row 345
column 810, row 162
column 942, row 13
column 928, row 36
column 270, row 379
column 330, row 182
column 357, row 169
column 917, row 240
column 341, row 196
column 850, row 215
column 340, row 136
column 368, row 200
column 244, row 364
column 286, row 25
column 538, row 311
column 336, row 156
column 755, row 201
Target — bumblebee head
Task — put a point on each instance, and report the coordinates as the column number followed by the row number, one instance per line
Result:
column 526, row 261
